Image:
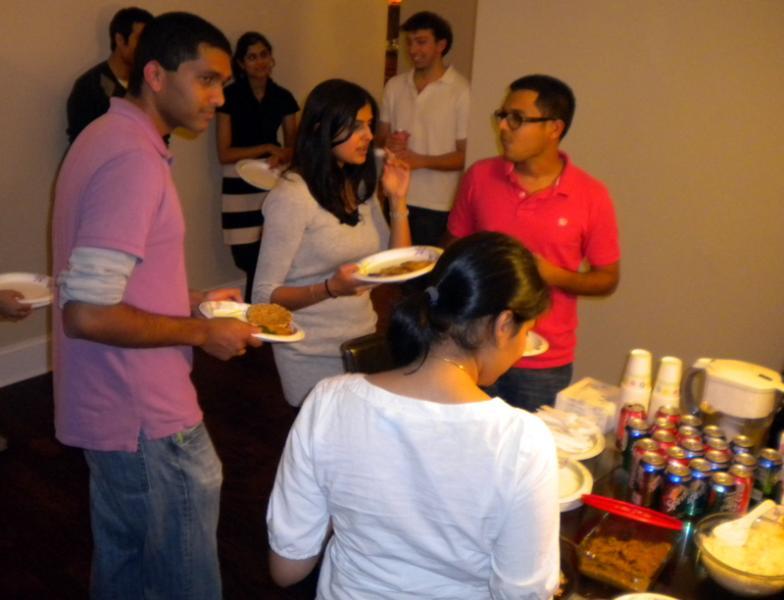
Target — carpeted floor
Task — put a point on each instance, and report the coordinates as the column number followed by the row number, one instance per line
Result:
column 45, row 541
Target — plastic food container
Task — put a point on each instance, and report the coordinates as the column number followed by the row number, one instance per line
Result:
column 738, row 569
column 624, row 553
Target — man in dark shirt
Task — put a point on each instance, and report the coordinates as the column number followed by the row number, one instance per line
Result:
column 90, row 95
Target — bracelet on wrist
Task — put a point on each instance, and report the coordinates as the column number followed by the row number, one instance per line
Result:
column 397, row 215
column 326, row 287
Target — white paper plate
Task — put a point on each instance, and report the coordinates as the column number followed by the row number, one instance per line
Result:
column 258, row 173
column 225, row 308
column 36, row 289
column 535, row 344
column 396, row 256
column 574, row 480
column 644, row 596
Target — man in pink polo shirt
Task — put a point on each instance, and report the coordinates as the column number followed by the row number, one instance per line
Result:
column 559, row 212
column 123, row 325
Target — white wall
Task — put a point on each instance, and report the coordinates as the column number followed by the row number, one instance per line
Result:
column 44, row 46
column 679, row 111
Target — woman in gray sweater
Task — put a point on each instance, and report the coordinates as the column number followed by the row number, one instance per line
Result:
column 321, row 218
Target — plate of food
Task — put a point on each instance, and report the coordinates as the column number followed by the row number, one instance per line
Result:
column 535, row 345
column 399, row 264
column 575, row 436
column 36, row 289
column 258, row 173
column 275, row 322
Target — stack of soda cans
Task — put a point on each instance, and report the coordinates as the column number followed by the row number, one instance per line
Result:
column 685, row 470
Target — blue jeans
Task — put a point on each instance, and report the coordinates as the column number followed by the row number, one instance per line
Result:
column 154, row 516
column 531, row 388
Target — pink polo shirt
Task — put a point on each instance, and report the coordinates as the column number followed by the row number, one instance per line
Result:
column 115, row 191
column 566, row 223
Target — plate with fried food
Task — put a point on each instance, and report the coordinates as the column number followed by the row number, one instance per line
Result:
column 399, row 264
column 275, row 322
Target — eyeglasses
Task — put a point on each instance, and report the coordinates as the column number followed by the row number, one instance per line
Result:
column 515, row 119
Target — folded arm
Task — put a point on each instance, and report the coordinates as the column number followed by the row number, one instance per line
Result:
column 597, row 281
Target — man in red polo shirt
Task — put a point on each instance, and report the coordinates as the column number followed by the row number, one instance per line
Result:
column 559, row 212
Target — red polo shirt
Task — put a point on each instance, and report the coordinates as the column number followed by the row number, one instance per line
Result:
column 571, row 221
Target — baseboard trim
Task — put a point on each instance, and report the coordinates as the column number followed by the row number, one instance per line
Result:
column 33, row 356
column 25, row 359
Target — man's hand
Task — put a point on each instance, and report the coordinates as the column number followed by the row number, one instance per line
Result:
column 11, row 308
column 227, row 338
column 597, row 281
column 197, row 297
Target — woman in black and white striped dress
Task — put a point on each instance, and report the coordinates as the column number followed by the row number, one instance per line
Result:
column 255, row 109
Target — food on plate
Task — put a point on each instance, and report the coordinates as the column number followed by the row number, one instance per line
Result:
column 762, row 554
column 271, row 318
column 408, row 266
column 624, row 553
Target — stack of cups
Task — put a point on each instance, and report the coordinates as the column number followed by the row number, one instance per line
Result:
column 636, row 381
column 667, row 391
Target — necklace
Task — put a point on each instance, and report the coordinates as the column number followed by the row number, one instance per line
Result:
column 452, row 362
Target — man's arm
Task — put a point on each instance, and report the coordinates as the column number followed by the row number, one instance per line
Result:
column 597, row 281
column 129, row 327
column 451, row 161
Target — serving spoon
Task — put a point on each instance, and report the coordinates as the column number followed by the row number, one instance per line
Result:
column 736, row 532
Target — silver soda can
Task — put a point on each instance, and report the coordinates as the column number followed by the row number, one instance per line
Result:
column 640, row 447
column 691, row 421
column 648, row 480
column 699, row 487
column 742, row 444
column 675, row 490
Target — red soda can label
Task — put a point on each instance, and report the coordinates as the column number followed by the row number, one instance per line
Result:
column 671, row 413
column 666, row 440
column 744, row 484
column 629, row 411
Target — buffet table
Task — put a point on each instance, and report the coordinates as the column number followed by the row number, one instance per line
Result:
column 683, row 577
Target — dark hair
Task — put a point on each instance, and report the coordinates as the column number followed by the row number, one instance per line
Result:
column 555, row 98
column 327, row 120
column 123, row 22
column 247, row 39
column 478, row 276
column 435, row 23
column 171, row 39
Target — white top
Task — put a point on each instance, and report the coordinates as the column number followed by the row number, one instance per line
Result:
column 436, row 118
column 304, row 244
column 426, row 500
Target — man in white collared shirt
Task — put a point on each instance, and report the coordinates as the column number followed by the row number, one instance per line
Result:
column 424, row 120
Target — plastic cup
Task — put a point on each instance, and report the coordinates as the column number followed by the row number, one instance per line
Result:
column 638, row 369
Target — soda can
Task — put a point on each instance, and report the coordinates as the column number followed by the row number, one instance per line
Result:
column 718, row 460
column 629, row 411
column 687, row 432
column 718, row 445
column 671, row 413
column 721, row 497
column 745, row 459
column 744, row 483
column 664, row 423
column 767, row 477
column 636, row 429
column 691, row 421
column 665, row 439
column 742, row 444
column 693, row 448
column 640, row 447
column 675, row 490
column 677, row 456
column 713, row 431
column 699, row 487
column 648, row 480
